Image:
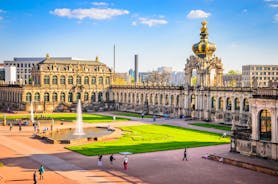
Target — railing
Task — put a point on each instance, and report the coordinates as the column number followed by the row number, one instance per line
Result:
column 169, row 87
column 266, row 93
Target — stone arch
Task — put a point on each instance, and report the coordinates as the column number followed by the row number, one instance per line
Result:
column 228, row 104
column 46, row 97
column 237, row 104
column 37, row 97
column 213, row 102
column 246, row 104
column 54, row 97
column 93, row 97
column 28, row 97
column 220, row 103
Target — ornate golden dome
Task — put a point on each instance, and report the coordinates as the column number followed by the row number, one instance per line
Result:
column 204, row 48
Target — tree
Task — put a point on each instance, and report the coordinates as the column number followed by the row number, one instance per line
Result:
column 233, row 72
column 194, row 81
column 119, row 81
column 157, row 77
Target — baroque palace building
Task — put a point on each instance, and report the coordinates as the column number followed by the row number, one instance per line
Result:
column 58, row 83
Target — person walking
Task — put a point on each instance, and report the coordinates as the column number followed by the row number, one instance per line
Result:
column 41, row 171
column 11, row 126
column 35, row 177
column 99, row 162
column 125, row 162
column 184, row 154
column 154, row 118
column 142, row 115
column 19, row 126
column 111, row 158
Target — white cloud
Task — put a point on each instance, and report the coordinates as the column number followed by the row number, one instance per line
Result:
column 197, row 14
column 276, row 18
column 273, row 5
column 134, row 23
column 270, row 0
column 91, row 13
column 152, row 22
column 244, row 11
column 99, row 3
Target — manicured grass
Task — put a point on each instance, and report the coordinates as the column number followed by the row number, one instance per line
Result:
column 149, row 138
column 130, row 114
column 207, row 125
column 88, row 118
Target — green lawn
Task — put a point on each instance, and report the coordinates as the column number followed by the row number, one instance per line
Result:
column 207, row 125
column 149, row 138
column 130, row 114
column 89, row 118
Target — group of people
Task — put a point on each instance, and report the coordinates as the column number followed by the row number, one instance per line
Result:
column 19, row 126
column 111, row 159
column 41, row 172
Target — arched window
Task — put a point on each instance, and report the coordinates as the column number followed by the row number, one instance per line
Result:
column 246, row 105
column 228, row 104
column 54, row 79
column 237, row 104
column 100, row 80
column 161, row 99
column 265, row 125
column 94, row 80
column 100, row 97
column 70, row 97
column 78, row 96
column 28, row 97
column 46, row 79
column 156, row 99
column 86, row 96
column 93, row 97
column 62, row 97
column 178, row 100
column 37, row 97
column 86, row 80
column 46, row 97
column 213, row 102
column 54, row 97
column 78, row 80
column 172, row 99
column 220, row 103
column 70, row 80
column 62, row 79
column 107, row 80
column 166, row 100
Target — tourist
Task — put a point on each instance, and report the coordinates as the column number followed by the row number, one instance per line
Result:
column 221, row 159
column 205, row 156
column 112, row 159
column 99, row 162
column 35, row 177
column 184, row 154
column 41, row 171
column 142, row 115
column 11, row 126
column 125, row 162
column 35, row 127
column 224, row 135
column 154, row 118
column 19, row 126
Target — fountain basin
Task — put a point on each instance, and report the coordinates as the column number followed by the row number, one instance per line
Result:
column 67, row 136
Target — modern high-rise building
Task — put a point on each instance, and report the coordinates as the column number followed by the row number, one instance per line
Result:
column 259, row 75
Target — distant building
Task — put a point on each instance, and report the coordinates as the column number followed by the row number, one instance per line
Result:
column 2, row 73
column 177, row 78
column 143, row 76
column 24, row 66
column 10, row 74
column 259, row 75
column 165, row 69
column 230, row 80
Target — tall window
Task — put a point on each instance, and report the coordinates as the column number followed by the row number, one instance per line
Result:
column 54, row 79
column 54, row 97
column 107, row 96
column 78, row 80
column 86, row 96
column 93, row 97
column 46, row 97
column 265, row 125
column 100, row 96
column 70, row 80
column 37, row 97
column 94, row 80
column 229, row 104
column 246, row 105
column 28, row 97
column 70, row 97
column 86, row 80
column 100, row 80
column 62, row 97
column 78, row 96
column 107, row 80
column 237, row 104
column 213, row 102
column 62, row 79
column 46, row 79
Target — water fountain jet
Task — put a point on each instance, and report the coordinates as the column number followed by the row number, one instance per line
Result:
column 79, row 123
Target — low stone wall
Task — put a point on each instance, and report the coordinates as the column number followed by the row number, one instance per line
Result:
column 245, row 165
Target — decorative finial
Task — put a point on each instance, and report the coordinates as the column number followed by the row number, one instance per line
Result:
column 47, row 56
column 97, row 59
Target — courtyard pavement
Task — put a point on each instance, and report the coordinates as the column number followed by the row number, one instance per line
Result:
column 22, row 154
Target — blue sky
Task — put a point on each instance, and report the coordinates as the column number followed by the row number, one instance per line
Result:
column 161, row 32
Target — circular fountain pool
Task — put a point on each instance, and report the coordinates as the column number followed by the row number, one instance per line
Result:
column 68, row 136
